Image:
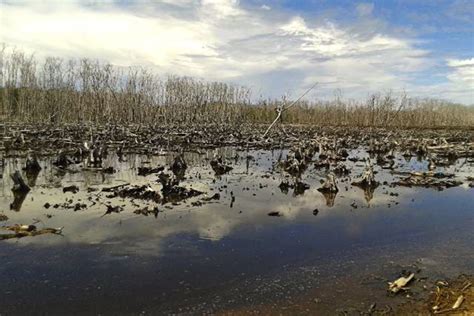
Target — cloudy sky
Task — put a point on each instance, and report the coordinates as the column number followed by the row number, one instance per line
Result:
column 275, row 47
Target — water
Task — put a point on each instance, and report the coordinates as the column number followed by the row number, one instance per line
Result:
column 224, row 256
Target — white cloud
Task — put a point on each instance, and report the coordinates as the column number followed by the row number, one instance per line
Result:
column 270, row 51
column 458, row 84
column 461, row 80
column 460, row 62
column 463, row 71
column 364, row 9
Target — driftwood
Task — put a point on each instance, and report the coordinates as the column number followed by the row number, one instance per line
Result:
column 20, row 231
column 449, row 297
column 400, row 283
column 112, row 189
column 458, row 302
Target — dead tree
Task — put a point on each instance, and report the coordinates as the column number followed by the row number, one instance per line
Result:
column 329, row 184
column 368, row 178
column 282, row 109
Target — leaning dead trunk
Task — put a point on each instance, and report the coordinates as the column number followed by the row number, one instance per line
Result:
column 283, row 109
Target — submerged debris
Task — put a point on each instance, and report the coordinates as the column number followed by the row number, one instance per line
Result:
column 215, row 197
column 72, row 188
column 172, row 192
column 429, row 179
column 298, row 187
column 146, row 211
column 140, row 192
column 144, row 171
column 176, row 194
column 275, row 213
column 113, row 209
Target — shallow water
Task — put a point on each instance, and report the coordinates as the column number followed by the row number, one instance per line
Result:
column 225, row 257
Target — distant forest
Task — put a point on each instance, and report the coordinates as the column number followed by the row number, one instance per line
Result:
column 58, row 91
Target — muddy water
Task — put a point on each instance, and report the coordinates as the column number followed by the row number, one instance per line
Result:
column 225, row 256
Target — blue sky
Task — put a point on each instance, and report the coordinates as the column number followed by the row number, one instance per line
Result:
column 425, row 48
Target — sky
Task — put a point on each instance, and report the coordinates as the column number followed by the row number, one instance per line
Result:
column 276, row 48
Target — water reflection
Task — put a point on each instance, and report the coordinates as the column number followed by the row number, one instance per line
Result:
column 247, row 194
column 181, row 250
column 31, row 177
column 19, row 198
column 368, row 193
column 330, row 198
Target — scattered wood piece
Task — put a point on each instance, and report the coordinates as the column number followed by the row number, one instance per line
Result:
column 468, row 285
column 278, row 214
column 72, row 188
column 400, row 283
column 458, row 302
column 112, row 189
